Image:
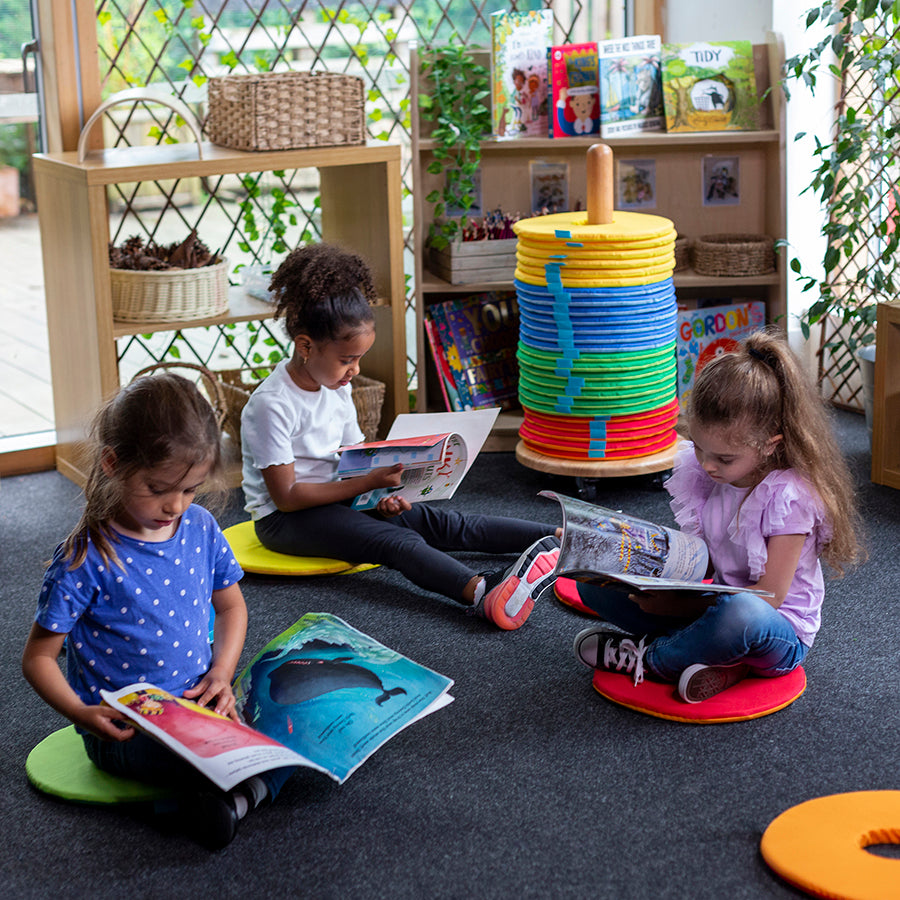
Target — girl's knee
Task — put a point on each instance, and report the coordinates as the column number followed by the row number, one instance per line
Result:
column 742, row 612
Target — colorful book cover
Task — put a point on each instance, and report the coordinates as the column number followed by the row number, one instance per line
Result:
column 449, row 391
column 574, row 90
column 519, row 84
column 710, row 86
column 480, row 334
column 631, row 97
column 708, row 332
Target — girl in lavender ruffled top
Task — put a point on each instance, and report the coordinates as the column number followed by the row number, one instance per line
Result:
column 764, row 483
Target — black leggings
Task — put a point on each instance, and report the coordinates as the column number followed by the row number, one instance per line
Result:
column 412, row 543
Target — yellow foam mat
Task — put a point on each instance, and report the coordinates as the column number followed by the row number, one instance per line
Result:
column 625, row 227
column 253, row 557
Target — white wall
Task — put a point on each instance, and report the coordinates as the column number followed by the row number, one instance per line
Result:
column 692, row 20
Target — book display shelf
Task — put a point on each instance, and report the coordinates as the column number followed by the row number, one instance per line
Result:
column 74, row 226
column 681, row 164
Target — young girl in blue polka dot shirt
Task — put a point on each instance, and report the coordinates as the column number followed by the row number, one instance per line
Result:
column 132, row 590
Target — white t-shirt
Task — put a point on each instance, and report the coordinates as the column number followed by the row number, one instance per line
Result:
column 282, row 423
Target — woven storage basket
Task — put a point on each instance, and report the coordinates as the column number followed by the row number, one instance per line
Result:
column 169, row 295
column 682, row 253
column 367, row 393
column 206, row 380
column 733, row 254
column 286, row 110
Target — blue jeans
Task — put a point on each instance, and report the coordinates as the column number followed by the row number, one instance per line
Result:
column 735, row 628
column 144, row 759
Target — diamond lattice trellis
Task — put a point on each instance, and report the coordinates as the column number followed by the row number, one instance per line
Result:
column 182, row 43
column 875, row 173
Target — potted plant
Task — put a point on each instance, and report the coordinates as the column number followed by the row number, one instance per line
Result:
column 855, row 178
column 456, row 106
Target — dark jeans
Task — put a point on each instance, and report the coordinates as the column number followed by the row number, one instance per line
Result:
column 413, row 543
column 144, row 759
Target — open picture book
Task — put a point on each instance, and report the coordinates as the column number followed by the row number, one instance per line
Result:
column 608, row 547
column 321, row 695
column 435, row 449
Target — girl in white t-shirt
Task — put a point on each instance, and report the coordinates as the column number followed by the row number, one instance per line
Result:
column 298, row 417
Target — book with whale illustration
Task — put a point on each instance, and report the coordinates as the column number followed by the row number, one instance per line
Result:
column 321, row 695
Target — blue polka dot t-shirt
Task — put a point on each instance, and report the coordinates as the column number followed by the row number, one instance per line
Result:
column 146, row 622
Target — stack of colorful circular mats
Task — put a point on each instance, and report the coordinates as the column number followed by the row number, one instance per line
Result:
column 597, row 373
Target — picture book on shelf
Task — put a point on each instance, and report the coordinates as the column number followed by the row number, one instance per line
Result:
column 710, row 86
column 631, row 97
column 519, row 83
column 435, row 449
column 574, row 90
column 479, row 335
column 608, row 547
column 705, row 333
column 321, row 695
column 452, row 402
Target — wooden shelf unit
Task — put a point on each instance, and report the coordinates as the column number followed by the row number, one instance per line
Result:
column 360, row 192
column 505, row 183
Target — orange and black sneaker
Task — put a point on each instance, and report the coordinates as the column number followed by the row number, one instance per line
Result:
column 509, row 596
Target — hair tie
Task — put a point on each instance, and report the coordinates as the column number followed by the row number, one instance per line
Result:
column 766, row 358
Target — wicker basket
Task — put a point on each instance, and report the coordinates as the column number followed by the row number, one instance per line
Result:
column 734, row 254
column 682, row 253
column 367, row 393
column 169, row 295
column 286, row 110
column 206, row 380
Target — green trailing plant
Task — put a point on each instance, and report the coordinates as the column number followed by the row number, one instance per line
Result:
column 856, row 175
column 457, row 105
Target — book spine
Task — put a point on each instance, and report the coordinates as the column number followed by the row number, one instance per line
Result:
column 440, row 363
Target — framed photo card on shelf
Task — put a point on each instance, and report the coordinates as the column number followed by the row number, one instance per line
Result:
column 721, row 181
column 636, row 184
column 549, row 187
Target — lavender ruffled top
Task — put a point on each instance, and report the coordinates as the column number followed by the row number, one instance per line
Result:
column 735, row 523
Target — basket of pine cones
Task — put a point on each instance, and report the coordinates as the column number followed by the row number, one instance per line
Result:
column 180, row 282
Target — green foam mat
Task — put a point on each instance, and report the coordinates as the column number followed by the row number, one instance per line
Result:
column 59, row 765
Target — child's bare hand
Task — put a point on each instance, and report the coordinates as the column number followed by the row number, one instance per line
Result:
column 393, row 506
column 386, row 476
column 214, row 692
column 101, row 720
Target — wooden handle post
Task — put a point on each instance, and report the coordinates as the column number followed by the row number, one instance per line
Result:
column 599, row 184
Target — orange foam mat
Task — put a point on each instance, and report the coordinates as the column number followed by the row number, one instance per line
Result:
column 820, row 846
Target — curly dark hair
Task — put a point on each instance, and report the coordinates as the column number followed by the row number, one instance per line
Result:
column 322, row 290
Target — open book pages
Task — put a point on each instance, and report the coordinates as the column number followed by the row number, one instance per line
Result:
column 435, row 449
column 433, row 466
column 609, row 547
column 225, row 751
column 606, row 540
column 321, row 695
column 335, row 694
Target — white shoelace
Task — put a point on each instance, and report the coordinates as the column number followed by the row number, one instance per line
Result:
column 630, row 656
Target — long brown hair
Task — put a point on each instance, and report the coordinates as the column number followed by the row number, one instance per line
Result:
column 152, row 421
column 760, row 390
